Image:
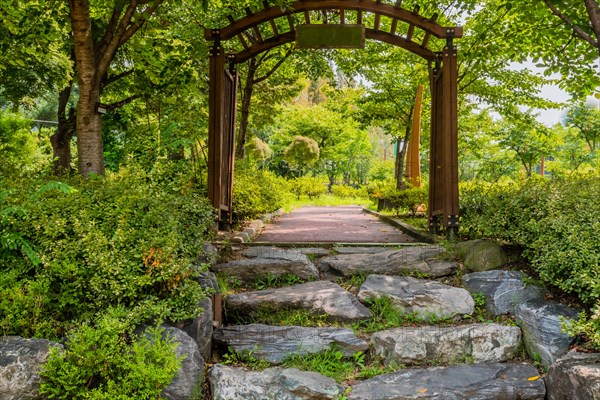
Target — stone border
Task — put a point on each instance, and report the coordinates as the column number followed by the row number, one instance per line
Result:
column 254, row 228
column 409, row 230
column 331, row 245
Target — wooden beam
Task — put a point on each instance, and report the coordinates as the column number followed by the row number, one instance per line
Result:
column 450, row 140
column 369, row 34
column 411, row 31
column 342, row 17
column 274, row 27
column 394, row 26
column 291, row 23
column 435, row 154
column 427, row 34
column 324, row 13
column 268, row 44
column 307, row 17
column 215, row 124
column 377, row 22
column 359, row 17
column 383, row 9
column 255, row 29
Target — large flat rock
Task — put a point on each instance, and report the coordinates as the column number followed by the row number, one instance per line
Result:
column 21, row 361
column 320, row 296
column 231, row 383
column 541, row 322
column 576, row 376
column 481, row 255
column 424, row 297
column 190, row 376
column 292, row 254
column 503, row 290
column 361, row 249
column 490, row 381
column 424, row 259
column 249, row 270
column 475, row 342
column 275, row 343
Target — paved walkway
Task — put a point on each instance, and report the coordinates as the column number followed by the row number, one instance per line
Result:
column 331, row 224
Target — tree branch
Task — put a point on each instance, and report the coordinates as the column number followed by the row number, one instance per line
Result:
column 593, row 10
column 577, row 29
column 115, row 78
column 110, row 29
column 123, row 102
column 140, row 21
column 104, row 58
column 275, row 67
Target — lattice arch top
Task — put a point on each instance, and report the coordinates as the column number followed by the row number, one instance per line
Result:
column 251, row 36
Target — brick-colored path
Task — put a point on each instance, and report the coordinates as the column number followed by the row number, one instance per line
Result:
column 331, row 224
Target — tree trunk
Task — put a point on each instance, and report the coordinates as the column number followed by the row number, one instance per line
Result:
column 89, row 129
column 400, row 155
column 61, row 139
column 240, row 148
column 92, row 60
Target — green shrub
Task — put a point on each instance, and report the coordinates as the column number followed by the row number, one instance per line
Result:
column 129, row 241
column 23, row 152
column 408, row 199
column 308, row 186
column 348, row 192
column 110, row 362
column 256, row 192
column 555, row 222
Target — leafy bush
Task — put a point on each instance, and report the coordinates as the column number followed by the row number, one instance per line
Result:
column 409, row 199
column 22, row 151
column 555, row 222
column 308, row 186
column 346, row 192
column 127, row 241
column 110, row 362
column 256, row 192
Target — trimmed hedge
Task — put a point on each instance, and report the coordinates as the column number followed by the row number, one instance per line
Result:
column 557, row 223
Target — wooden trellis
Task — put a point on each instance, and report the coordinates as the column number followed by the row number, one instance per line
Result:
column 272, row 26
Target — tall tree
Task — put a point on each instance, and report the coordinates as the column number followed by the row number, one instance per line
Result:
column 94, row 50
column 253, row 78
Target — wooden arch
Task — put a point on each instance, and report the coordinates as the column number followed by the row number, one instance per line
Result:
column 279, row 24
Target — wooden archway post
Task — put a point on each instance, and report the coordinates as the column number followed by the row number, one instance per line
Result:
column 221, row 129
column 443, row 174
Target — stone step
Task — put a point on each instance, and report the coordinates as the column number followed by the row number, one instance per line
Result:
column 541, row 322
column 275, row 343
column 428, row 260
column 447, row 344
column 319, row 296
column 249, row 270
column 277, row 252
column 424, row 297
column 232, row 383
column 504, row 291
column 489, row 381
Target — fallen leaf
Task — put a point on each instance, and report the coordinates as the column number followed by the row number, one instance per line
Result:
column 423, row 390
column 533, row 378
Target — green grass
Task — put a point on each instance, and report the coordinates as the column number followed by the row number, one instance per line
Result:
column 352, row 282
column 244, row 359
column 385, row 316
column 334, row 364
column 325, row 200
column 228, row 284
column 273, row 281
